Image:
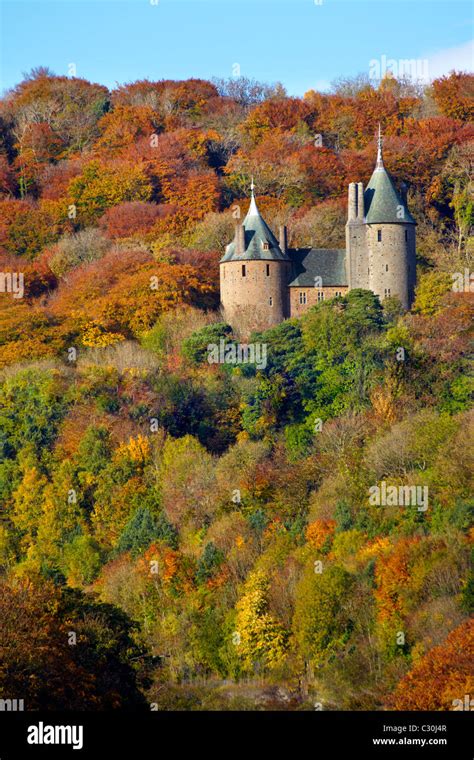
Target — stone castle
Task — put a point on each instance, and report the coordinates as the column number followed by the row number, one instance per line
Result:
column 263, row 282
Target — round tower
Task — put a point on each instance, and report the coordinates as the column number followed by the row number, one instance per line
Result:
column 254, row 275
column 390, row 238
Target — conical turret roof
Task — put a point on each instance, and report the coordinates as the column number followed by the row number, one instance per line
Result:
column 382, row 201
column 260, row 242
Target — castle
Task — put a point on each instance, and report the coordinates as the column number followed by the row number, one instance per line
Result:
column 263, row 282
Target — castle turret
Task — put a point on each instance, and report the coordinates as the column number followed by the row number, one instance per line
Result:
column 254, row 274
column 381, row 245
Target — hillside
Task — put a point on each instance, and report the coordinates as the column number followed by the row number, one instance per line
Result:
column 208, row 532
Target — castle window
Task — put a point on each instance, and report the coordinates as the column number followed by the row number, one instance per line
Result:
column 320, row 295
column 268, row 270
column 406, row 236
column 338, row 293
column 266, row 246
column 243, row 270
column 386, row 267
column 379, row 236
column 302, row 298
column 270, row 301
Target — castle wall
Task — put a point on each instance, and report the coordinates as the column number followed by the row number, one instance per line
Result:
column 392, row 261
column 246, row 300
column 312, row 298
column 357, row 260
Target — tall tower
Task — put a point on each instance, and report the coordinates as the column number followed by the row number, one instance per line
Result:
column 381, row 239
column 254, row 274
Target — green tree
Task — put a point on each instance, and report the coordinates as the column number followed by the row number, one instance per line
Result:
column 322, row 622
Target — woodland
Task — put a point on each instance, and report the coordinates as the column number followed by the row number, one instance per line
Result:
column 195, row 536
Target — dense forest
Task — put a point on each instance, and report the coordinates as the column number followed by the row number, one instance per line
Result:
column 186, row 535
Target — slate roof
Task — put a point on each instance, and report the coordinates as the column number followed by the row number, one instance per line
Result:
column 257, row 232
column 327, row 263
column 382, row 202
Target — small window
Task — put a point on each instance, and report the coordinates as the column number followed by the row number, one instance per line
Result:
column 385, row 293
column 338, row 293
column 379, row 236
column 388, row 291
column 266, row 246
column 268, row 270
column 243, row 270
column 406, row 236
column 302, row 298
column 320, row 295
column 270, row 301
column 386, row 267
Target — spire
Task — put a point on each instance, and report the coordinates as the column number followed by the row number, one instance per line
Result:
column 253, row 210
column 254, row 239
column 379, row 164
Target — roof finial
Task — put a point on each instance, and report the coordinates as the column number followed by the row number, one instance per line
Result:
column 379, row 150
column 253, row 210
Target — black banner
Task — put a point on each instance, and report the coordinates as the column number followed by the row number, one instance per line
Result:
column 216, row 734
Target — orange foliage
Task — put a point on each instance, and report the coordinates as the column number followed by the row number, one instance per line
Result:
column 442, row 678
column 319, row 531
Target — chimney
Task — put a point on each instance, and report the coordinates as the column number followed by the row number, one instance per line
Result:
column 404, row 193
column 240, row 238
column 352, row 204
column 360, row 202
column 283, row 238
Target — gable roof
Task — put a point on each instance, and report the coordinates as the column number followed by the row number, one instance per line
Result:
column 327, row 263
column 256, row 232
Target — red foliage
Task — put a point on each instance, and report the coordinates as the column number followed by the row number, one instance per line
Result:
column 442, row 678
column 126, row 219
column 454, row 94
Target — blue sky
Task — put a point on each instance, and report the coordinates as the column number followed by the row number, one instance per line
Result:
column 298, row 42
